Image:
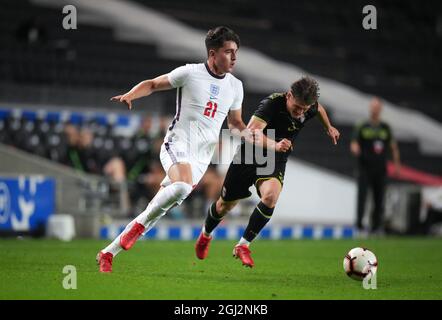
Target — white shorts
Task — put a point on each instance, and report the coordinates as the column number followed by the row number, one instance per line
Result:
column 176, row 152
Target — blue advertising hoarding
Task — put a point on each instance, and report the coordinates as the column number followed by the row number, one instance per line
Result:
column 26, row 202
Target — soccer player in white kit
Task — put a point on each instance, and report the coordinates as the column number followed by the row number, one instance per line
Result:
column 207, row 93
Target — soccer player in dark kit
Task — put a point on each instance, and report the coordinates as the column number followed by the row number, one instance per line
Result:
column 285, row 113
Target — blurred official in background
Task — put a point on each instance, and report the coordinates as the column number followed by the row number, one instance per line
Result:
column 370, row 143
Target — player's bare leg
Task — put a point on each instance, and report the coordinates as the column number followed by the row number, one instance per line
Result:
column 269, row 190
column 216, row 213
column 174, row 194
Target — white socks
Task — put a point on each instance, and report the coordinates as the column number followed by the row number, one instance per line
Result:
column 243, row 241
column 205, row 233
column 163, row 201
column 115, row 247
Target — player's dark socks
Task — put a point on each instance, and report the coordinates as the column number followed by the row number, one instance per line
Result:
column 212, row 219
column 259, row 218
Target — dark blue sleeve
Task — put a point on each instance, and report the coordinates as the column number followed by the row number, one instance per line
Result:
column 265, row 110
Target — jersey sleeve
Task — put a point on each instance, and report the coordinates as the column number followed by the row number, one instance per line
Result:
column 239, row 96
column 178, row 77
column 265, row 110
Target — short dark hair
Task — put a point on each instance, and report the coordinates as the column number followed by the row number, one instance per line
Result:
column 306, row 90
column 216, row 37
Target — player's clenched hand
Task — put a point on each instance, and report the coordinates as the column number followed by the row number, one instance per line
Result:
column 124, row 98
column 284, row 145
column 334, row 134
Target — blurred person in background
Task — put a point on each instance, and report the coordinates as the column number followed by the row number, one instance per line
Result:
column 370, row 143
column 83, row 155
column 87, row 153
column 211, row 184
column 138, row 160
column 153, row 179
column 204, row 193
column 80, row 154
column 104, row 160
column 73, row 139
column 158, row 139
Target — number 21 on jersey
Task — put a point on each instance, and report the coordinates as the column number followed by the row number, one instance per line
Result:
column 210, row 109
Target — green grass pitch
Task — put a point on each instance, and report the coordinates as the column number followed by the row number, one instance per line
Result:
column 409, row 268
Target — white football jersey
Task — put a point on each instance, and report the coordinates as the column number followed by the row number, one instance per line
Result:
column 203, row 102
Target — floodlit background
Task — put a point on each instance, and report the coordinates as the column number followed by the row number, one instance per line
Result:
column 75, row 165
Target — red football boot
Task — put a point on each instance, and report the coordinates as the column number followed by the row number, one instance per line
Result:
column 104, row 260
column 128, row 239
column 202, row 246
column 243, row 252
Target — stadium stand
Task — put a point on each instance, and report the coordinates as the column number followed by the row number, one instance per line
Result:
column 40, row 56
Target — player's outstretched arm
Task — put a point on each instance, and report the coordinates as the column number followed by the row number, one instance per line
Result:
column 143, row 89
column 332, row 132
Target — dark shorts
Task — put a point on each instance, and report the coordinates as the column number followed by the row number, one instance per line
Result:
column 240, row 177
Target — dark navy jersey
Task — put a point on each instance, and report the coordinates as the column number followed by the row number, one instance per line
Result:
column 273, row 110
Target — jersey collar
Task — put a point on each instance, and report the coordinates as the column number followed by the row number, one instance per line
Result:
column 211, row 73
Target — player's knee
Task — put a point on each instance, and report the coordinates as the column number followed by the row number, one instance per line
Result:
column 182, row 190
column 270, row 198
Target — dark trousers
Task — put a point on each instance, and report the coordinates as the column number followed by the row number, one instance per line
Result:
column 376, row 181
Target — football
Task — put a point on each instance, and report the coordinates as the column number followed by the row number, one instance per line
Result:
column 360, row 263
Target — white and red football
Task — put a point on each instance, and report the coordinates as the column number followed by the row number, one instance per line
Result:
column 360, row 263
